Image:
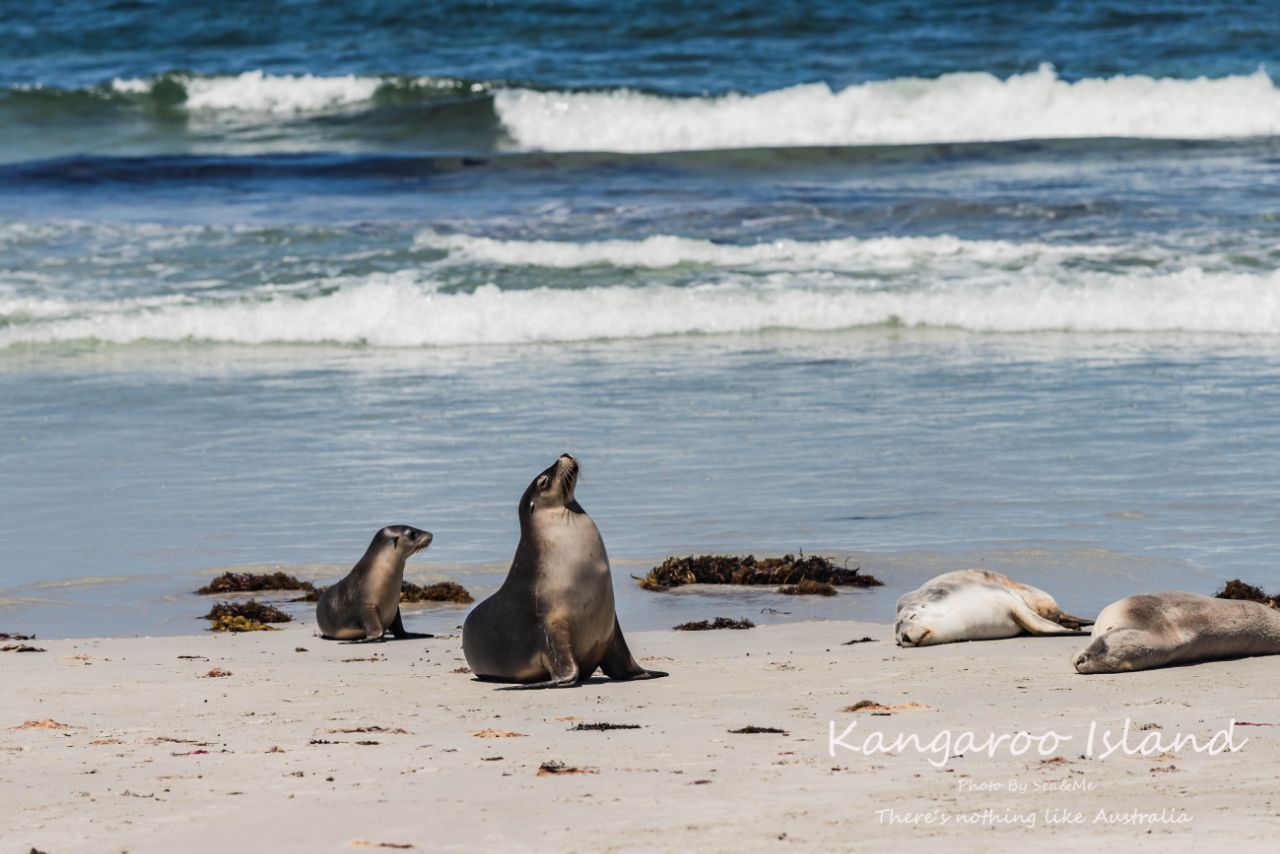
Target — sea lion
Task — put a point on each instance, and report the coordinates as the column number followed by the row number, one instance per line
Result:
column 977, row 604
column 366, row 603
column 552, row 623
column 1158, row 629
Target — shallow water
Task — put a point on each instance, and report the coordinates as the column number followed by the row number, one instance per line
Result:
column 955, row 449
column 922, row 292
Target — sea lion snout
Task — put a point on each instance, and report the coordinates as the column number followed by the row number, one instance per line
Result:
column 567, row 464
column 905, row 635
column 918, row 640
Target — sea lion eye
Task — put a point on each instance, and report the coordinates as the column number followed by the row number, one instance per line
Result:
column 542, row 481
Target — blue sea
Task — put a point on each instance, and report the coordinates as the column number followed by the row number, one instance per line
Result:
column 916, row 286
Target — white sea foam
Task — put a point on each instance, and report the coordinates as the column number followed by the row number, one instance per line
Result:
column 284, row 94
column 403, row 311
column 661, row 251
column 970, row 106
column 256, row 91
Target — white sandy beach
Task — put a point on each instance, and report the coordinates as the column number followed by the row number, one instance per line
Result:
column 153, row 757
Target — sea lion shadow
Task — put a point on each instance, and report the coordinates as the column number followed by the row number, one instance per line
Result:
column 366, row 641
column 512, row 685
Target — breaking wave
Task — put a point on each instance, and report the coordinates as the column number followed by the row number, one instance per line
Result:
column 959, row 107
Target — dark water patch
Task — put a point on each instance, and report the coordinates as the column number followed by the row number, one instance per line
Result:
column 378, row 162
column 750, row 45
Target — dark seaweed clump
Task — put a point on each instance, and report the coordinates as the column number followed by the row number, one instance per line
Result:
column 1237, row 589
column 717, row 623
column 444, row 591
column 809, row 587
column 252, row 610
column 730, row 569
column 251, row 582
column 603, row 727
column 239, row 624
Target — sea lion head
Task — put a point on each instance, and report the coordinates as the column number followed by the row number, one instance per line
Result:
column 1115, row 651
column 405, row 539
column 552, row 489
column 924, row 618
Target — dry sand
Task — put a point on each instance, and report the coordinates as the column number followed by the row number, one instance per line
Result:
column 157, row 757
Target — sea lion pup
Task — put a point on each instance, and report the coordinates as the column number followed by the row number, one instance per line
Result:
column 366, row 603
column 1158, row 629
column 552, row 623
column 976, row 604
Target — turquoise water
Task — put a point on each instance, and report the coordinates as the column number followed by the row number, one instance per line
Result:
column 997, row 288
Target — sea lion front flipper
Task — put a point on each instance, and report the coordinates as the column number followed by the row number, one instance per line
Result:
column 398, row 630
column 557, row 658
column 618, row 662
column 372, row 622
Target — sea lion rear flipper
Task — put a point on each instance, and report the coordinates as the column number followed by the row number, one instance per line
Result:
column 398, row 630
column 1032, row 622
column 618, row 662
column 1071, row 621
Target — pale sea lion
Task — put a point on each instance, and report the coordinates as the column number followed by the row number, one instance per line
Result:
column 552, row 623
column 365, row 604
column 977, row 604
column 1158, row 629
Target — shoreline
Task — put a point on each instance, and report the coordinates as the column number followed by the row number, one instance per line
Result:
column 156, row 757
column 1083, row 579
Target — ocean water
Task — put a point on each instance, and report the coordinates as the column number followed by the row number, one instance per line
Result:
column 992, row 285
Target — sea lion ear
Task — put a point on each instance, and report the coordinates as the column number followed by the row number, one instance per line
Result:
column 395, row 541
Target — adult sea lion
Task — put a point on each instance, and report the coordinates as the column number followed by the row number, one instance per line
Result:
column 977, row 604
column 365, row 604
column 1158, row 629
column 552, row 623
